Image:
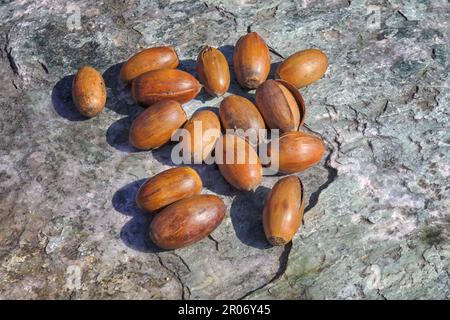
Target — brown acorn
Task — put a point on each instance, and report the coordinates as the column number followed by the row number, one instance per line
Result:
column 203, row 130
column 187, row 221
column 164, row 84
column 238, row 162
column 89, row 92
column 251, row 60
column 148, row 60
column 167, row 187
column 283, row 210
column 237, row 112
column 281, row 105
column 296, row 151
column 213, row 71
column 303, row 67
column 155, row 125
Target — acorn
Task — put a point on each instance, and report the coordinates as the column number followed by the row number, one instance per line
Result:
column 239, row 113
column 155, row 125
column 89, row 91
column 168, row 187
column 203, row 130
column 238, row 162
column 283, row 210
column 251, row 60
column 213, row 71
column 164, row 84
column 296, row 152
column 281, row 105
column 148, row 60
column 187, row 221
column 303, row 67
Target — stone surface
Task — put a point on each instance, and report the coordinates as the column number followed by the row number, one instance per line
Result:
column 377, row 224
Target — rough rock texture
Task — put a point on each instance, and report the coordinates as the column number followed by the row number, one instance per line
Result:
column 377, row 225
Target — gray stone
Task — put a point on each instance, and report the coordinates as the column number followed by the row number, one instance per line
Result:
column 377, row 223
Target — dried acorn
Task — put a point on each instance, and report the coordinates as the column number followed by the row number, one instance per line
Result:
column 251, row 60
column 164, row 84
column 283, row 210
column 203, row 131
column 303, row 67
column 89, row 92
column 238, row 162
column 237, row 112
column 213, row 71
column 148, row 60
column 155, row 125
column 297, row 151
column 281, row 105
column 187, row 221
column 167, row 187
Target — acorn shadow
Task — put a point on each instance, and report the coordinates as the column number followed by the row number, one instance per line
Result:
column 119, row 94
column 190, row 66
column 246, row 217
column 62, row 100
column 135, row 233
column 118, row 133
column 273, row 70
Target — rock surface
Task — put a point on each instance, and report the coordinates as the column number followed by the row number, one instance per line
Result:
column 377, row 224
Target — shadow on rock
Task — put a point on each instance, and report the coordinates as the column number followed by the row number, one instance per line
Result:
column 119, row 94
column 273, row 70
column 164, row 154
column 246, row 217
column 227, row 51
column 190, row 66
column 117, row 134
column 62, row 100
column 134, row 233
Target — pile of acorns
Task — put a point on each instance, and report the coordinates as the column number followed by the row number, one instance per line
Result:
column 183, row 215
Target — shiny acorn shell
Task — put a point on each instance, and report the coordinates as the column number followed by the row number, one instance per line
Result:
column 239, row 113
column 213, row 71
column 283, row 210
column 251, row 60
column 281, row 105
column 89, row 91
column 155, row 125
column 187, row 221
column 242, row 167
column 164, row 84
column 303, row 68
column 168, row 187
column 148, row 60
column 297, row 151
column 203, row 131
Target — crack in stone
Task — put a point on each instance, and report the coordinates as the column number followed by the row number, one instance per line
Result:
column 275, row 52
column 332, row 175
column 381, row 295
column 215, row 241
column 182, row 261
column 9, row 56
column 382, row 111
column 44, row 66
column 283, row 264
column 225, row 14
column 403, row 15
column 184, row 288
